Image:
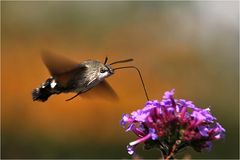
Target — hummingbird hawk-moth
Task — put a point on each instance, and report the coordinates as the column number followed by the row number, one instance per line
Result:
column 70, row 76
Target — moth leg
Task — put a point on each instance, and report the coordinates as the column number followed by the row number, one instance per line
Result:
column 73, row 96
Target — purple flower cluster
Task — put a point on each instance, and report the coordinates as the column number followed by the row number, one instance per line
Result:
column 171, row 125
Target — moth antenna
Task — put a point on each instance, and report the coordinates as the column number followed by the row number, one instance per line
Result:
column 122, row 61
column 139, row 73
column 73, row 96
column 106, row 59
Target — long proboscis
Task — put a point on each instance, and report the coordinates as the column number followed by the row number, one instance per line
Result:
column 122, row 61
column 139, row 73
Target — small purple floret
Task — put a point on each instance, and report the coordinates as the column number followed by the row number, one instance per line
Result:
column 173, row 122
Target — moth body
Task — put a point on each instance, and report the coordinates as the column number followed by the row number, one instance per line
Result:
column 79, row 79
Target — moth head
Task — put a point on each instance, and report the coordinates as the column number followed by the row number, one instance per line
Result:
column 105, row 70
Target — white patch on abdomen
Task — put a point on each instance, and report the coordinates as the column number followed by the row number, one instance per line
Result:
column 53, row 84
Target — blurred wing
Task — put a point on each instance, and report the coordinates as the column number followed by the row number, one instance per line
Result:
column 62, row 68
column 57, row 64
column 102, row 90
column 68, row 77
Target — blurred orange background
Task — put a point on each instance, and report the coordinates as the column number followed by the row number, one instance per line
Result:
column 189, row 46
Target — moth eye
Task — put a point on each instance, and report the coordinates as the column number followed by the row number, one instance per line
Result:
column 102, row 70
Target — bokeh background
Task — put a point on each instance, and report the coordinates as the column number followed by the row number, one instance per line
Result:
column 190, row 46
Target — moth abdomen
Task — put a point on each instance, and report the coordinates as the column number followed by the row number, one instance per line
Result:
column 48, row 88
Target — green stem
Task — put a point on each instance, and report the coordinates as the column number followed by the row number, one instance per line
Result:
column 172, row 152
